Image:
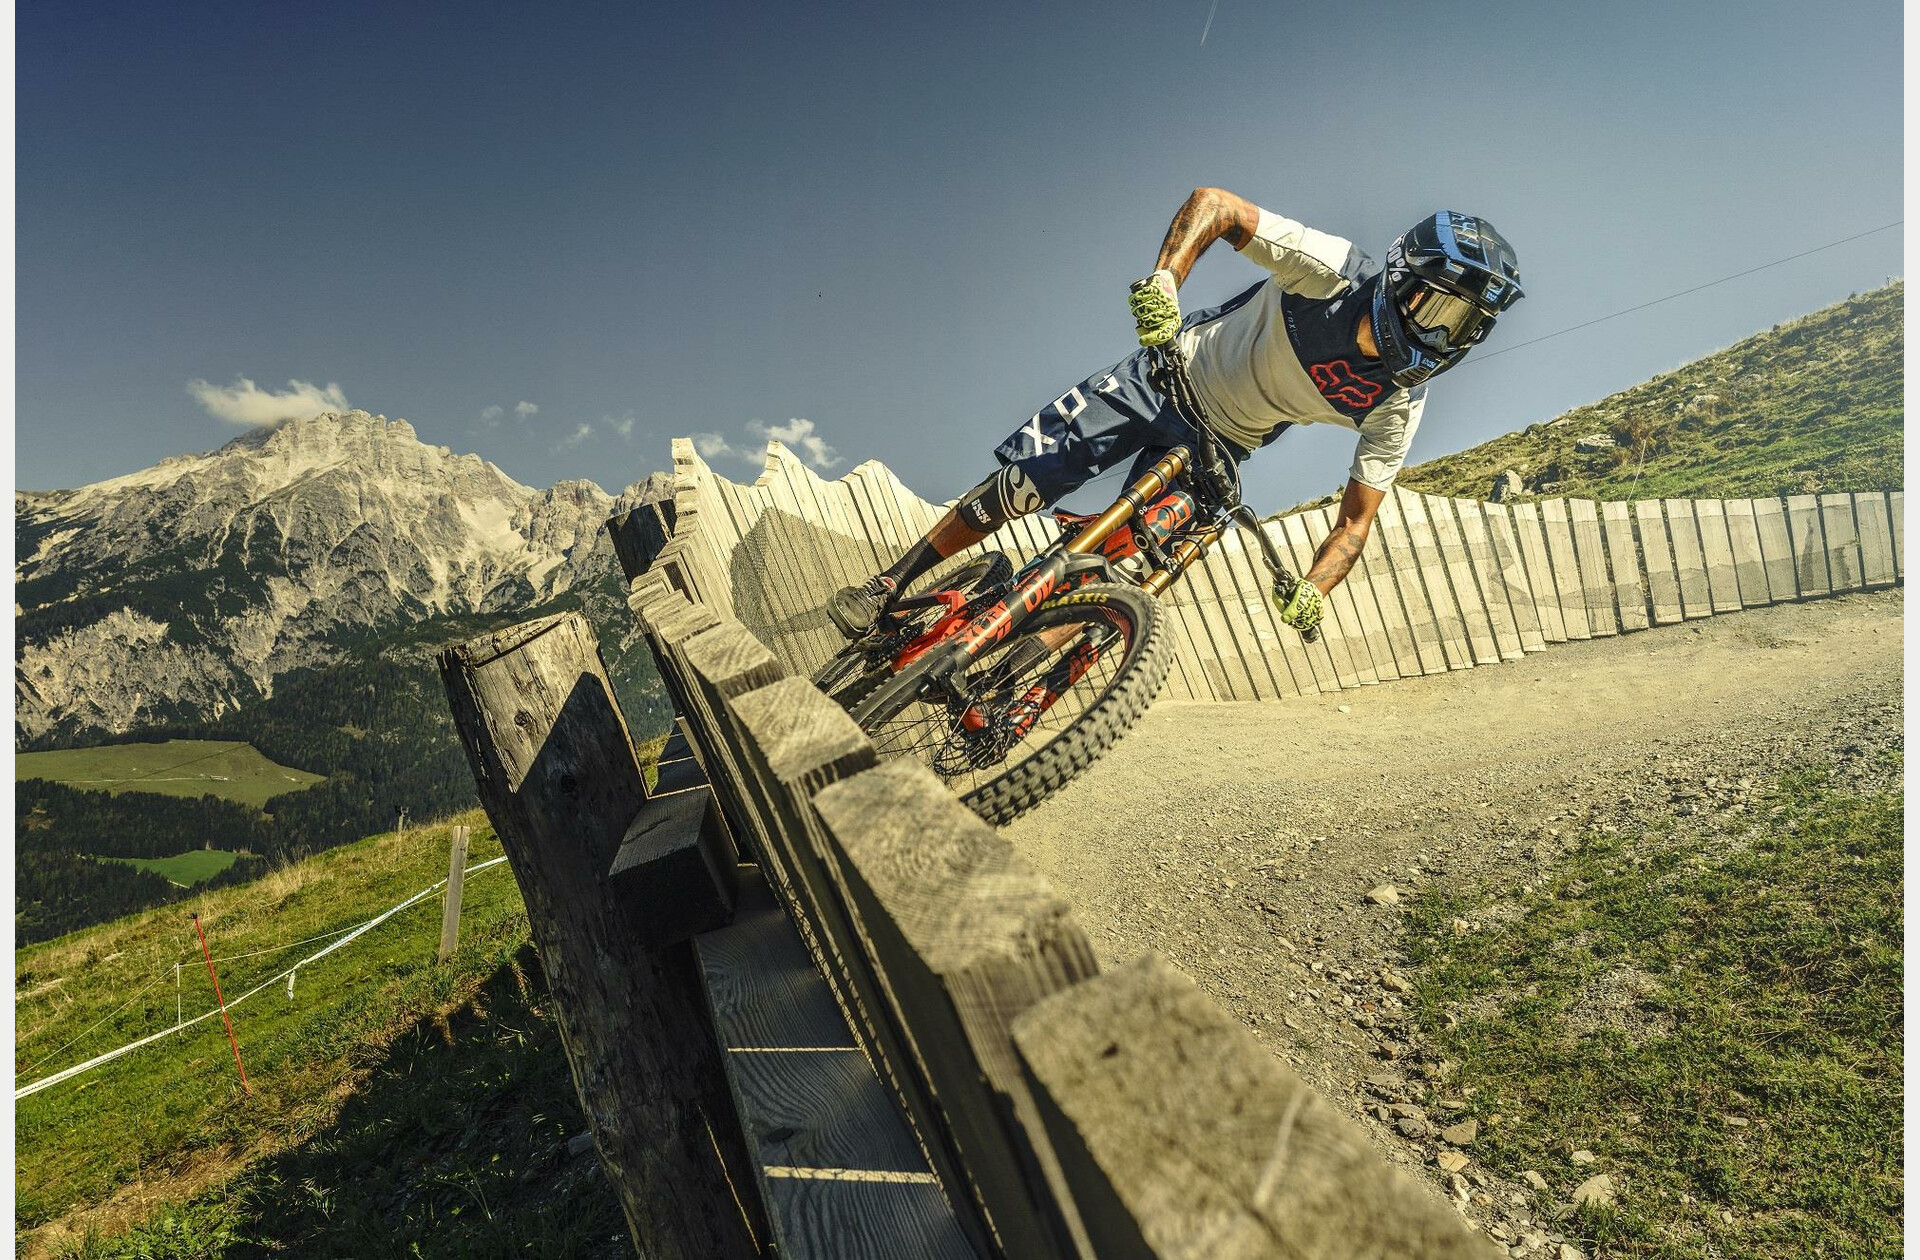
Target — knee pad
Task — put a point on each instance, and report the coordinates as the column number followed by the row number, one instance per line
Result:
column 1007, row 494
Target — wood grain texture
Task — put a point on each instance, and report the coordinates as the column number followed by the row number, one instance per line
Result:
column 1876, row 540
column 1431, row 573
column 1510, row 573
column 1538, row 563
column 1330, row 671
column 676, row 868
column 1596, row 588
column 1776, row 548
column 1749, row 567
column 965, row 937
column 1459, row 570
column 1623, row 565
column 1486, row 577
column 1656, row 552
column 1689, row 559
column 1557, row 527
column 1716, row 548
column 1185, row 1140
column 1809, row 545
column 1844, row 566
column 557, row 774
column 1896, row 508
column 1359, row 613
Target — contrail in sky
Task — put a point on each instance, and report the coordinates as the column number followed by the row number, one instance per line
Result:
column 1214, row 7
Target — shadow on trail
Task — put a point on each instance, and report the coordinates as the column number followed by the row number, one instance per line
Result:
column 455, row 1146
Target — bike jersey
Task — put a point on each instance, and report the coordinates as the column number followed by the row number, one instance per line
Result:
column 1286, row 351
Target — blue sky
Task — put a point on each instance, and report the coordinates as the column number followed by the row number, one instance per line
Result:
column 562, row 235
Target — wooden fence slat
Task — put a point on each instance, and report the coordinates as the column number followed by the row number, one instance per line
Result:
column 964, row 937
column 1403, row 566
column 1844, row 565
column 1656, row 550
column 1230, row 596
column 1227, row 667
column 1776, row 548
column 1689, row 559
column 1486, row 576
column 1749, row 568
column 1194, row 643
column 1876, row 539
column 1623, row 563
column 1716, row 547
column 1338, row 672
column 1256, row 604
column 1341, row 604
column 1377, row 561
column 1510, row 571
column 1596, row 589
column 1184, row 1138
column 1535, row 560
column 1453, row 555
column 1302, row 661
column 1430, row 568
column 1356, row 594
column 1558, row 529
column 1809, row 545
column 1896, row 509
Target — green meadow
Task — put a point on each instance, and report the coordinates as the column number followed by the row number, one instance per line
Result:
column 228, row 769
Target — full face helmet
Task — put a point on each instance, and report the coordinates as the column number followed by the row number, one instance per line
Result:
column 1447, row 278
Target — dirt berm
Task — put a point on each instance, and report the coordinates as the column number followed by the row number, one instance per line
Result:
column 1242, row 840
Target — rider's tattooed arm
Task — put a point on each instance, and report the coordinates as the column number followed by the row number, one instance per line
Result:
column 1207, row 215
column 1349, row 537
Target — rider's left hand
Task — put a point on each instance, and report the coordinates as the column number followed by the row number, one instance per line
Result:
column 1156, row 307
column 1304, row 610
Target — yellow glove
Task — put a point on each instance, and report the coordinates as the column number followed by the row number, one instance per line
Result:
column 1156, row 307
column 1304, row 610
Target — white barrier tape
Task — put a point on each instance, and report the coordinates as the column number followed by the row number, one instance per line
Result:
column 78, row 1068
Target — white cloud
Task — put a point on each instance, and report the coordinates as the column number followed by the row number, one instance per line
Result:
column 491, row 415
column 526, row 410
column 801, row 436
column 245, row 403
column 623, row 425
column 579, row 435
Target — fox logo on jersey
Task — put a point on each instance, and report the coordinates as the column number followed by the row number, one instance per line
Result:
column 1338, row 383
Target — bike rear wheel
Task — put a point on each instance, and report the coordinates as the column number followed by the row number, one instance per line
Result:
column 851, row 676
column 1036, row 708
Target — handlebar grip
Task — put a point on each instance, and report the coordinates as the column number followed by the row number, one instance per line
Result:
column 1310, row 637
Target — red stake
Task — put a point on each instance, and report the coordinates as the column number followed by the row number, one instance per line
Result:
column 223, row 1005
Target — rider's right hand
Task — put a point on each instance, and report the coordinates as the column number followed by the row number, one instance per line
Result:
column 1156, row 307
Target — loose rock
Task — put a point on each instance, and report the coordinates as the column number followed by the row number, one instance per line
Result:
column 1461, row 1134
column 1534, row 1179
column 1384, row 895
column 1600, row 1190
column 1451, row 1161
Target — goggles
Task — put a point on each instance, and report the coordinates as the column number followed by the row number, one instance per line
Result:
column 1443, row 320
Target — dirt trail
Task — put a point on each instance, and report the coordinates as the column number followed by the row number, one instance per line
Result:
column 1241, row 840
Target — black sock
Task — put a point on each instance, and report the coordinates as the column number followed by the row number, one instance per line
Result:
column 919, row 560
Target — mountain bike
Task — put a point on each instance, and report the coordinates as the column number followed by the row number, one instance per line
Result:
column 1009, row 683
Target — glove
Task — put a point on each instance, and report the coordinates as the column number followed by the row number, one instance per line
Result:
column 1156, row 307
column 1304, row 610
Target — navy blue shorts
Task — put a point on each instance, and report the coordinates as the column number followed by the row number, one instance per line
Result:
column 1111, row 416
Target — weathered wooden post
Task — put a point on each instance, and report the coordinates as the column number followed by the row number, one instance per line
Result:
column 559, row 779
column 450, row 905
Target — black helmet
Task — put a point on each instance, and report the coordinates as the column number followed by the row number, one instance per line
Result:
column 1447, row 278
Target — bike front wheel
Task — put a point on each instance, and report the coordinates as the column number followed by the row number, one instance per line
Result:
column 1035, row 709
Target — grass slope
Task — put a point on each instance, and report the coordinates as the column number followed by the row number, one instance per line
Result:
column 228, row 769
column 195, row 866
column 396, row 1104
column 1716, row 1016
column 1808, row 406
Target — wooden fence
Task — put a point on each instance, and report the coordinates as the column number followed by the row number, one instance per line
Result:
column 1443, row 583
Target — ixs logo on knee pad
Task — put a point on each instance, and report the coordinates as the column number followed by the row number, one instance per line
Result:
column 1337, row 382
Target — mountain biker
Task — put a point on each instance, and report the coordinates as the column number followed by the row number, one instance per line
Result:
column 1328, row 338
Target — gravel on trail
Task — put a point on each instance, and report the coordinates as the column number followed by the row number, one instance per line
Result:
column 1266, row 848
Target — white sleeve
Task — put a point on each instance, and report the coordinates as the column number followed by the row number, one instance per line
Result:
column 1310, row 263
column 1385, row 438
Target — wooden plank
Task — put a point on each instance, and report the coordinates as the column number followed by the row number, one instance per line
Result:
column 1453, row 551
column 1244, row 664
column 1776, row 548
column 1896, row 509
column 1716, row 547
column 1558, row 530
column 1193, row 644
column 1330, row 658
column 1214, row 650
column 1749, row 568
column 556, row 770
column 1844, row 566
column 1396, row 549
column 810, row 1105
column 1623, row 565
column 964, row 937
column 675, row 869
column 1184, row 1138
column 1689, row 559
column 1809, row 546
column 1590, row 555
column 1372, row 656
column 1876, row 540
column 1656, row 548
column 1510, row 571
column 1486, row 578
column 1431, row 573
column 1534, row 557
column 1301, row 658
column 1255, row 603
column 792, row 742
